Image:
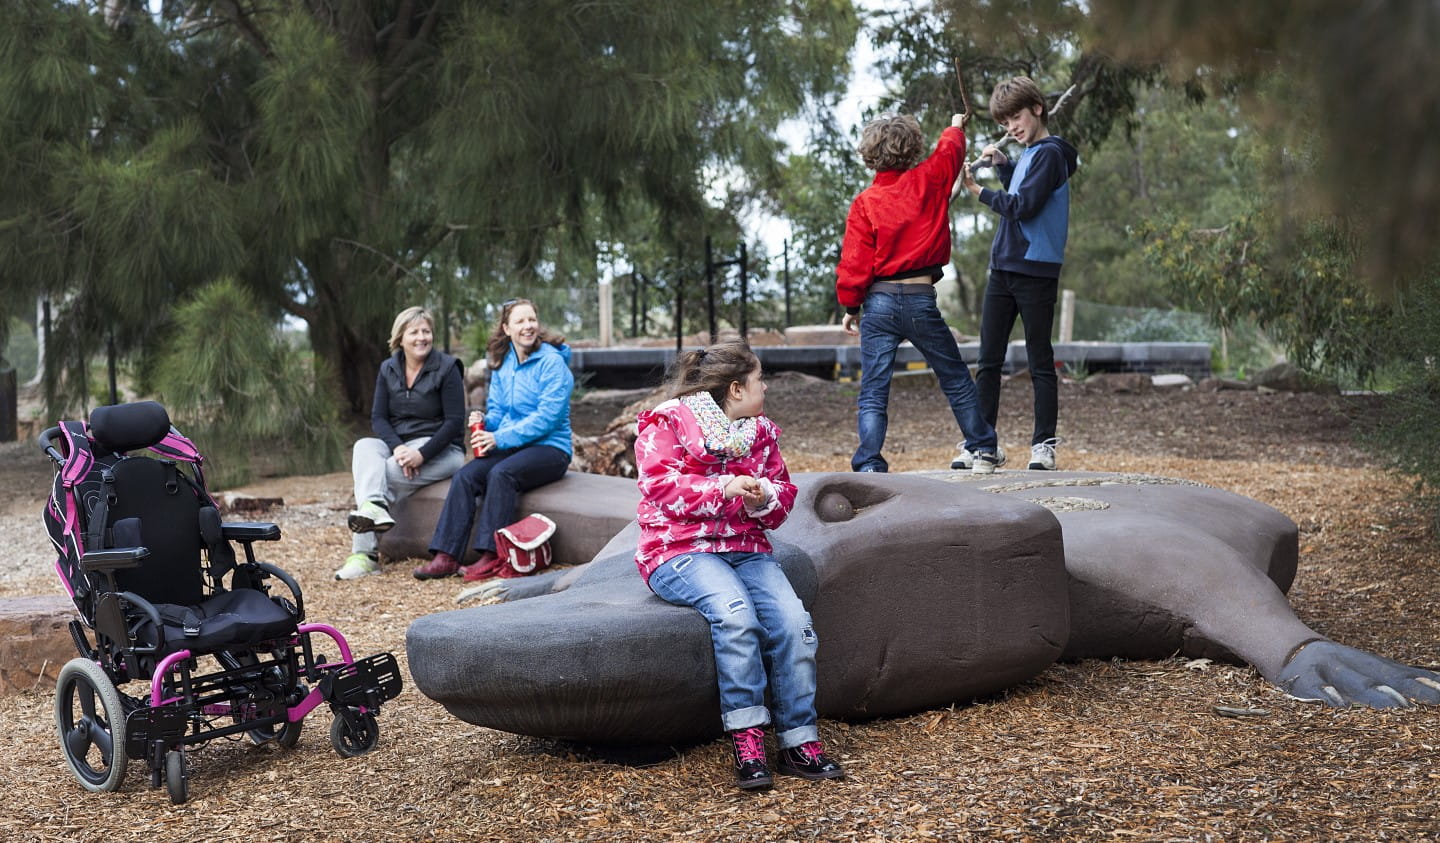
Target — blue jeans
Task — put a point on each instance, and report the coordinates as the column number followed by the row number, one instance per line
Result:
column 888, row 319
column 1007, row 295
column 496, row 479
column 756, row 621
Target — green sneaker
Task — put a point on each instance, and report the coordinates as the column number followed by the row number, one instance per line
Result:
column 370, row 517
column 358, row 565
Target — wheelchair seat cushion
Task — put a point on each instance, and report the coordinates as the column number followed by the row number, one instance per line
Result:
column 229, row 619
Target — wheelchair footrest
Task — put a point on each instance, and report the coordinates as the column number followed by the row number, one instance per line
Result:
column 365, row 682
column 144, row 726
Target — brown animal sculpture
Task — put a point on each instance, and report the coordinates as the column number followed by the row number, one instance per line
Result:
column 925, row 589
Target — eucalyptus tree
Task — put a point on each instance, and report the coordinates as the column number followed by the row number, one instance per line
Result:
column 336, row 158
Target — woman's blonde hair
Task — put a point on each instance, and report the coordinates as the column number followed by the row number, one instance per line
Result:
column 711, row 369
column 892, row 142
column 403, row 320
column 499, row 343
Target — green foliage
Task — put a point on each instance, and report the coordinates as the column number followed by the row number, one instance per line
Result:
column 1335, row 69
column 20, row 350
column 1305, row 293
column 1405, row 429
column 339, row 162
column 233, row 384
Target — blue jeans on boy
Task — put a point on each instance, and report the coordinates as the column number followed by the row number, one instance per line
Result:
column 496, row 479
column 1007, row 295
column 889, row 318
column 755, row 620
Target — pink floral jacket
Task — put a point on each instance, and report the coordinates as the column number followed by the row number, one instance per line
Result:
column 683, row 507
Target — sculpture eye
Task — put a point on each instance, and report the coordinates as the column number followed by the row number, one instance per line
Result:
column 842, row 500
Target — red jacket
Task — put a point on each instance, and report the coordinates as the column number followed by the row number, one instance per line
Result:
column 901, row 222
column 682, row 486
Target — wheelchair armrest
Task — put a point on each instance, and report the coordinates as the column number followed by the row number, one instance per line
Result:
column 250, row 531
column 113, row 558
column 290, row 583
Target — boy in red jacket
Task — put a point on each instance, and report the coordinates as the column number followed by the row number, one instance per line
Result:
column 897, row 243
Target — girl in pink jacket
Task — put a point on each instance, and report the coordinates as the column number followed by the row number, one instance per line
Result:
column 712, row 481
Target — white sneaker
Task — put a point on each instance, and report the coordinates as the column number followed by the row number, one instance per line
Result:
column 964, row 460
column 1042, row 455
column 370, row 517
column 357, row 565
column 987, row 463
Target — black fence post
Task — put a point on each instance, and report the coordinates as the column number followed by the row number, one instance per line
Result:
column 710, row 289
column 744, row 293
column 785, row 277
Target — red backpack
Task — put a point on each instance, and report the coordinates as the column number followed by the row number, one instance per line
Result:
column 524, row 547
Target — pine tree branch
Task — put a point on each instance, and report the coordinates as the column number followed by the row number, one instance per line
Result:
column 401, row 51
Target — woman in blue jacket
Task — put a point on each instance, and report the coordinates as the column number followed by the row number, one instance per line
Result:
column 524, row 445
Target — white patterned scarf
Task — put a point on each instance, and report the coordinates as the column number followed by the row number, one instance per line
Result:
column 723, row 437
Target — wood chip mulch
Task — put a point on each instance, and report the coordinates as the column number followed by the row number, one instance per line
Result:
column 1166, row 750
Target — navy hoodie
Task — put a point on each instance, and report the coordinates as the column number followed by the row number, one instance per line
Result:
column 1034, row 209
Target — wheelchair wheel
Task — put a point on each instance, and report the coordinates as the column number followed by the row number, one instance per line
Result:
column 177, row 776
column 350, row 741
column 91, row 723
column 285, row 735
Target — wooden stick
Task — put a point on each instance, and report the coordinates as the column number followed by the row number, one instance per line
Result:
column 964, row 99
column 1064, row 98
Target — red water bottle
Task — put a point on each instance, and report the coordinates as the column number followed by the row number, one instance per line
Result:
column 476, row 427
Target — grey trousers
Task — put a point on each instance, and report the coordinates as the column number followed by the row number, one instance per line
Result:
column 379, row 478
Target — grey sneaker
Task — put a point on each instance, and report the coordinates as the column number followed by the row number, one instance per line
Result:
column 370, row 517
column 964, row 460
column 986, row 463
column 1042, row 455
column 358, row 565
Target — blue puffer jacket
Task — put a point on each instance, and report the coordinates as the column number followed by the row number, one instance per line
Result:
column 529, row 403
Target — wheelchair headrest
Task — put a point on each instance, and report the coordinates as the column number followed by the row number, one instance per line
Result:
column 129, row 427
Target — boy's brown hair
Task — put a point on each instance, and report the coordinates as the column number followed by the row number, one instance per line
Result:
column 1015, row 95
column 892, row 142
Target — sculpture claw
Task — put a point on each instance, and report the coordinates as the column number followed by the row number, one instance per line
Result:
column 486, row 593
column 1340, row 676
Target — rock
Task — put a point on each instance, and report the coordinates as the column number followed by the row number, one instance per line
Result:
column 594, row 507
column 1121, row 382
column 1287, row 377
column 612, row 454
column 1214, row 384
column 34, row 642
column 246, row 504
column 819, row 335
column 1171, row 381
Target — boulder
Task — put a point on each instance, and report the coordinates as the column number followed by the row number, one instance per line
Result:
column 1287, row 377
column 595, row 509
column 34, row 642
column 1121, row 382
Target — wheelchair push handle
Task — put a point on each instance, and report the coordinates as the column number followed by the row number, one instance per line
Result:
column 47, row 441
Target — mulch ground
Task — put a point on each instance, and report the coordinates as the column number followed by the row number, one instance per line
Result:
column 1093, row 750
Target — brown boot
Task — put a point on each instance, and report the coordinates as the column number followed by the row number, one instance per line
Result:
column 443, row 565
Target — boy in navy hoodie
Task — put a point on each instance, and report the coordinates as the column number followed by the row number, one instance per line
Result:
column 1025, row 259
